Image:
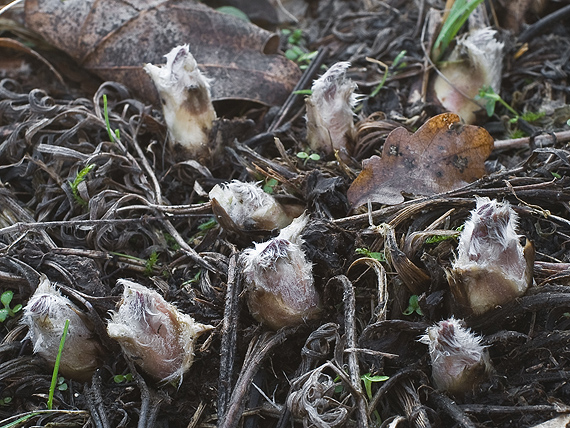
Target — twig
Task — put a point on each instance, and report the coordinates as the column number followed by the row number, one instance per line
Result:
column 95, row 402
column 447, row 405
column 229, row 337
column 350, row 331
column 306, row 78
column 539, row 140
column 543, row 24
column 260, row 348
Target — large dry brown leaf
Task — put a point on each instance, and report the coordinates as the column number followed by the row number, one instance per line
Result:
column 114, row 38
column 440, row 156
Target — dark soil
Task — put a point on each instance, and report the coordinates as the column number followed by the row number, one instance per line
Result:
column 142, row 202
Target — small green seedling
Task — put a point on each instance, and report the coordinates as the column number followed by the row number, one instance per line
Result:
column 172, row 244
column 113, row 136
column 54, row 376
column 5, row 401
column 306, row 157
column 61, row 384
column 123, row 378
column 298, row 52
column 458, row 14
column 210, row 224
column 413, row 306
column 151, row 263
column 436, row 239
column 490, row 98
column 368, row 380
column 77, row 181
column 7, row 311
column 194, row 279
column 397, row 63
column 269, row 186
column 373, row 255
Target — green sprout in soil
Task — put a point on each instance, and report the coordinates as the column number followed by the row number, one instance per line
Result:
column 7, row 311
column 113, row 136
column 210, row 224
column 193, row 280
column 269, row 186
column 436, row 239
column 490, row 99
column 151, row 263
column 370, row 254
column 54, row 377
column 413, row 306
column 368, row 380
column 5, row 401
column 306, row 157
column 123, row 378
column 458, row 14
column 298, row 52
column 397, row 63
column 77, row 181
column 61, row 384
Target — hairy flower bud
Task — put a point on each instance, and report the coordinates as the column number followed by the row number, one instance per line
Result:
column 475, row 63
column 246, row 207
column 186, row 101
column 279, row 280
column 459, row 362
column 330, row 124
column 152, row 332
column 492, row 267
column 45, row 315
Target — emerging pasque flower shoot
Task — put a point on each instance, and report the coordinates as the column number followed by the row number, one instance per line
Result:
column 458, row 360
column 475, row 63
column 152, row 332
column 186, row 102
column 279, row 280
column 330, row 114
column 492, row 267
column 247, row 207
column 45, row 315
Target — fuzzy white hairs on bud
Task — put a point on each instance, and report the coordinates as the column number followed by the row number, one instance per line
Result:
column 492, row 267
column 279, row 279
column 45, row 315
column 330, row 117
column 459, row 361
column 248, row 207
column 186, row 101
column 151, row 331
column 475, row 63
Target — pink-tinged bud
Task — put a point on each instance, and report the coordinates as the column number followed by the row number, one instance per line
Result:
column 45, row 315
column 458, row 360
column 186, row 102
column 246, row 207
column 492, row 267
column 475, row 63
column 279, row 280
column 153, row 333
column 330, row 117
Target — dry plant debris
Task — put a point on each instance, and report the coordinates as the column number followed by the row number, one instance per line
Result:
column 89, row 202
column 442, row 155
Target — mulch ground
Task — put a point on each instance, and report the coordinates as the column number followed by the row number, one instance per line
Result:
column 143, row 213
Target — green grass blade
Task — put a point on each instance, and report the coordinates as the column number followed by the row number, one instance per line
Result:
column 458, row 14
column 56, row 366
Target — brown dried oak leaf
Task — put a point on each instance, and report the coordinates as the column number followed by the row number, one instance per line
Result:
column 441, row 156
column 114, row 38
